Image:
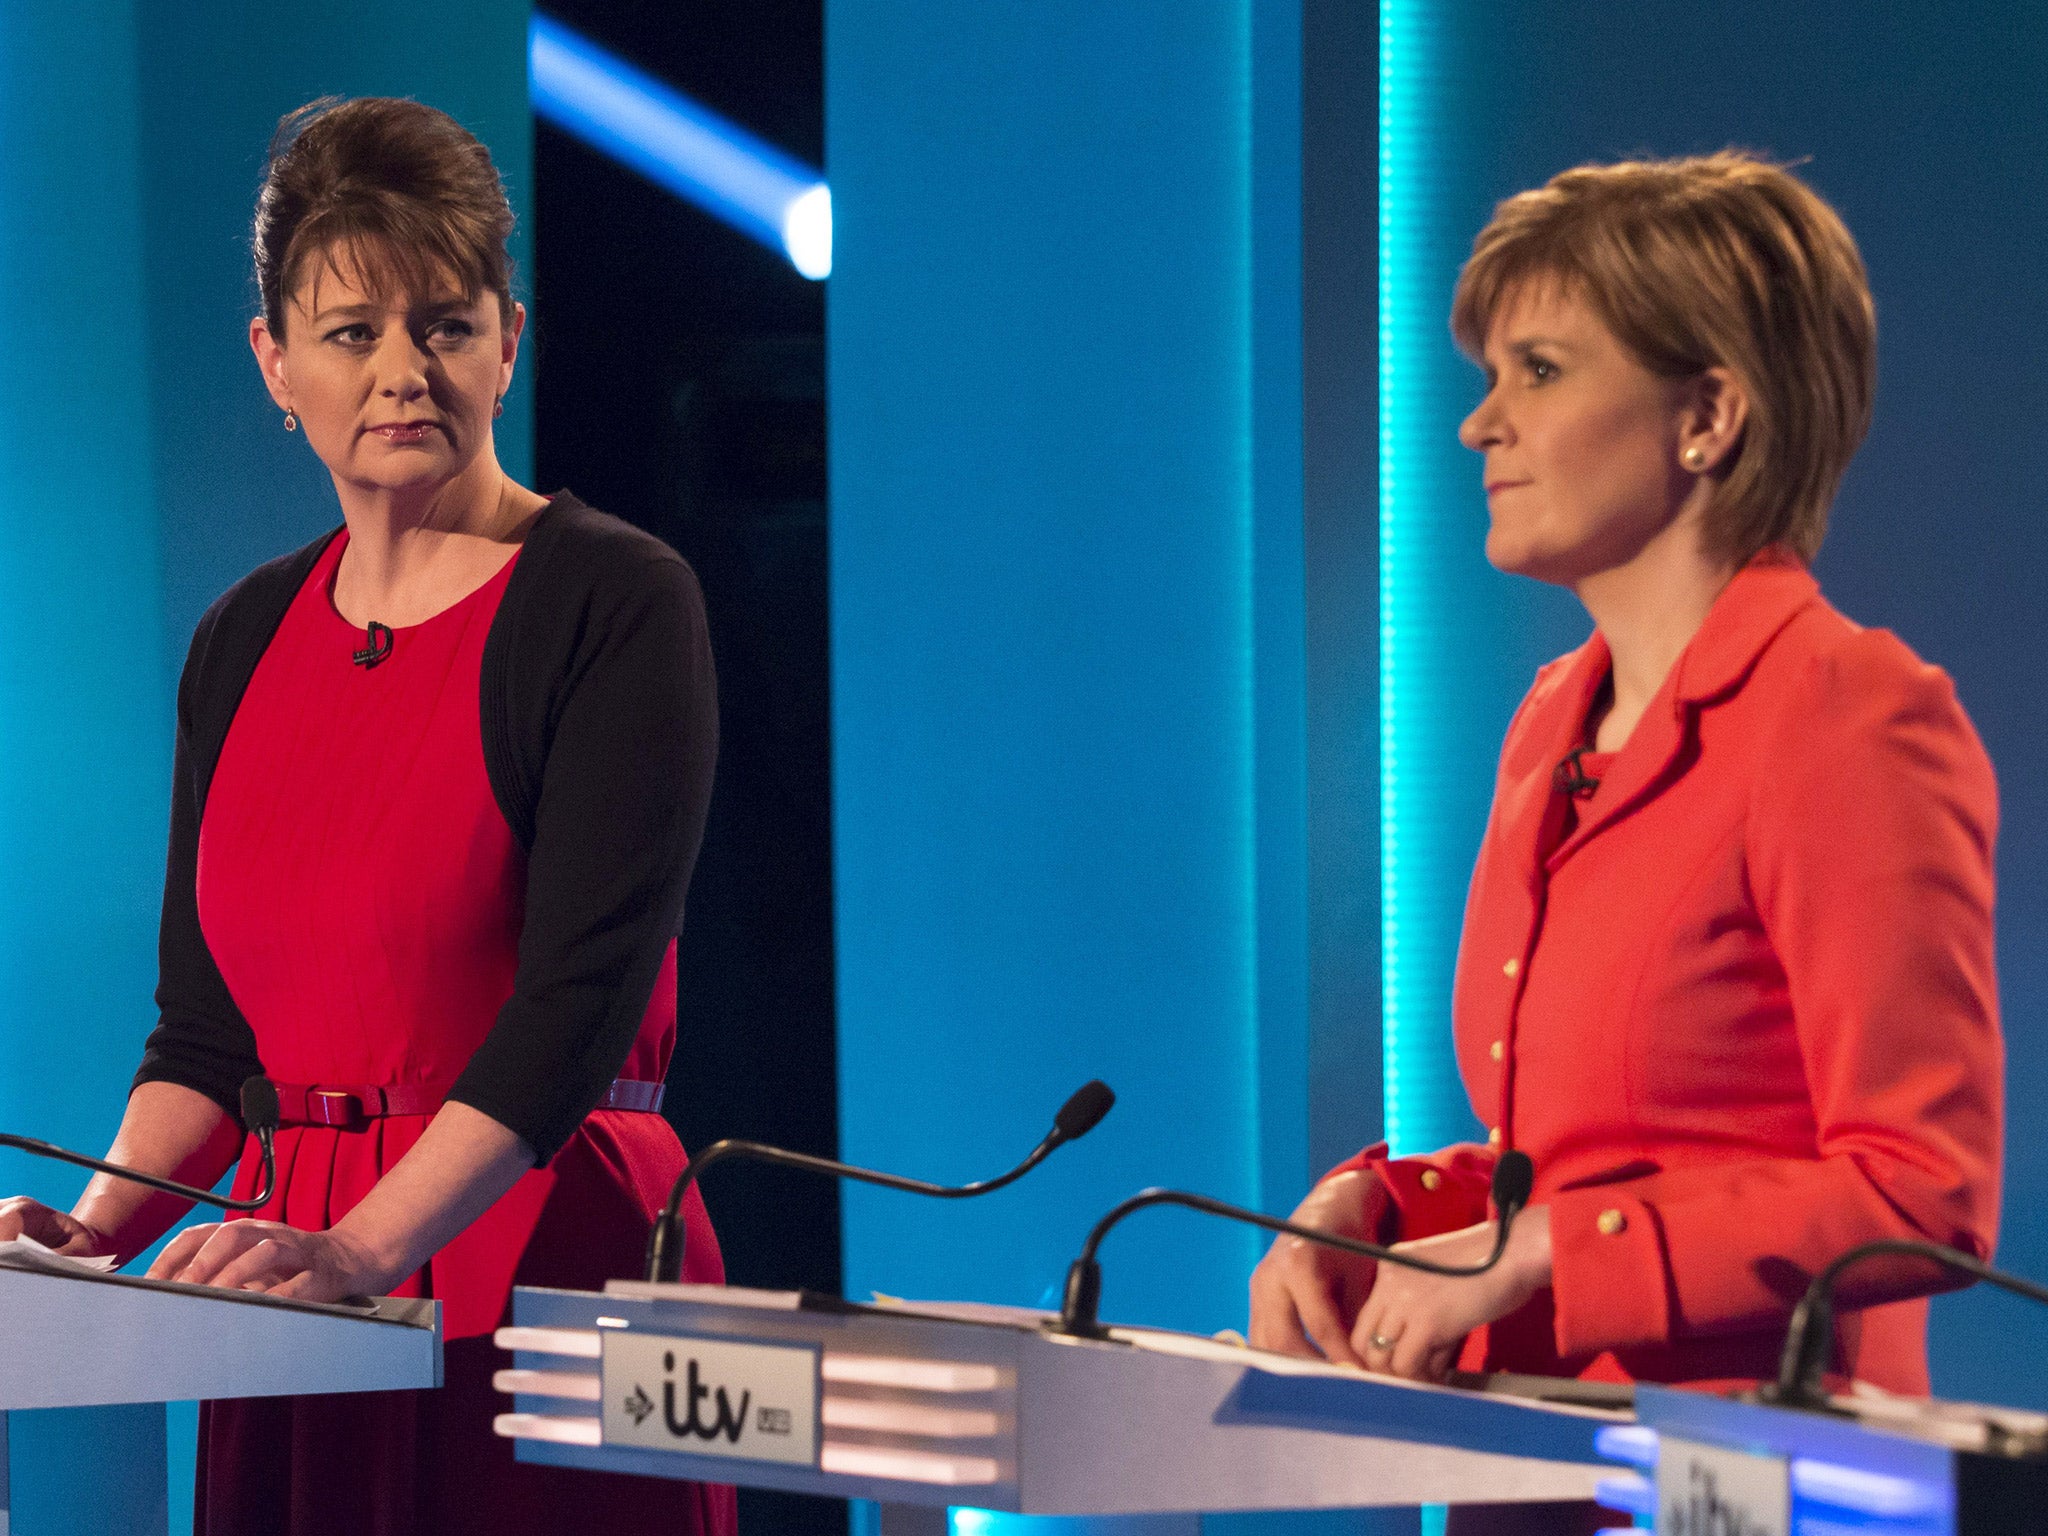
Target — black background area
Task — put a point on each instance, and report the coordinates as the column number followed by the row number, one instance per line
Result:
column 680, row 385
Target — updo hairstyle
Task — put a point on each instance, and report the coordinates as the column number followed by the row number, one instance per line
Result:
column 401, row 194
column 1721, row 260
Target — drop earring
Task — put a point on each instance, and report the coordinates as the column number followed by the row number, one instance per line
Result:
column 291, row 419
column 498, row 408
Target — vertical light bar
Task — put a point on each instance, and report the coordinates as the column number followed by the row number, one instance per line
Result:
column 677, row 144
column 1422, row 863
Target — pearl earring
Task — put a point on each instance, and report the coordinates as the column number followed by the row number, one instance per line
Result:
column 1694, row 458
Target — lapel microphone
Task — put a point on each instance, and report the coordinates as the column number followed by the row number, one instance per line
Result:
column 1569, row 777
column 379, row 638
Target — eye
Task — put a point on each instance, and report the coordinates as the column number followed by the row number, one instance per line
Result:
column 1541, row 370
column 350, row 335
column 450, row 330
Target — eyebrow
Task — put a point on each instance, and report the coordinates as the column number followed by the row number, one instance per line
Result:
column 1523, row 346
column 359, row 311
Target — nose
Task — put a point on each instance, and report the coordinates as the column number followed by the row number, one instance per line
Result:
column 401, row 365
column 1487, row 426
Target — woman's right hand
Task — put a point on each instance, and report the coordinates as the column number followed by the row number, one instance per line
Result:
column 59, row 1230
column 1305, row 1296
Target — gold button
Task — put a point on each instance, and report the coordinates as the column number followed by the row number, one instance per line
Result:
column 1611, row 1223
column 1511, row 967
column 1498, row 1050
column 1431, row 1179
column 1493, row 1137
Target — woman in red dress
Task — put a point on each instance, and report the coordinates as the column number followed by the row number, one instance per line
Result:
column 441, row 778
column 1726, row 972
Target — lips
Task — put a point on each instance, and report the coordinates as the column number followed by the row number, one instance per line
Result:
column 402, row 433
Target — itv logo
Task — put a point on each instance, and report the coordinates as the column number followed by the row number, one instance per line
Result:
column 711, row 1397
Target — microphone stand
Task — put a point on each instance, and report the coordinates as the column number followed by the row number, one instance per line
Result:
column 1811, row 1333
column 1082, row 1112
column 1513, row 1178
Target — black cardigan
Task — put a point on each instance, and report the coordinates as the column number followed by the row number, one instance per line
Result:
column 599, row 716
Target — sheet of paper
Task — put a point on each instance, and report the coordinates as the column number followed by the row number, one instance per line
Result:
column 27, row 1253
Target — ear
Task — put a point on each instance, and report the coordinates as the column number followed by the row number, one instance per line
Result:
column 1715, row 411
column 508, row 348
column 270, row 362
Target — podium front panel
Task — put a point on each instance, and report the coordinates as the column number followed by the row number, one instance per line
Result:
column 923, row 1407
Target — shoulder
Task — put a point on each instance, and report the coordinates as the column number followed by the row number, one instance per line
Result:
column 579, row 558
column 1854, row 710
column 240, row 622
column 1827, row 673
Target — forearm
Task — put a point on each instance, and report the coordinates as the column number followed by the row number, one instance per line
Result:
column 456, row 1171
column 169, row 1130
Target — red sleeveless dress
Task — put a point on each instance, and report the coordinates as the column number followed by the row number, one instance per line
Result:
column 363, row 897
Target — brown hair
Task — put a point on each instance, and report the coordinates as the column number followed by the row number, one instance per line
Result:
column 402, row 193
column 1722, row 260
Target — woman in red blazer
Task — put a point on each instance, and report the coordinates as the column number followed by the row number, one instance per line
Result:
column 1726, row 973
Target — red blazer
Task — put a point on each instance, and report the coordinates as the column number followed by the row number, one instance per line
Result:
column 1744, row 1017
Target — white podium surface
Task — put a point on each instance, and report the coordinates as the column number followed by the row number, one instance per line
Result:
column 929, row 1406
column 72, row 1340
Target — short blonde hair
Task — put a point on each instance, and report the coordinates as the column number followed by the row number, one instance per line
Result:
column 1722, row 260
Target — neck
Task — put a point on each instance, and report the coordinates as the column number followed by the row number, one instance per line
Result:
column 412, row 552
column 1648, row 610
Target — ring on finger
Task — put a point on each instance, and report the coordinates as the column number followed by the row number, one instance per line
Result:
column 1381, row 1342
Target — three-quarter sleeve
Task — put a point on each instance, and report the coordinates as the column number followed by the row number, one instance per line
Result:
column 618, row 804
column 201, row 1040
column 1869, row 852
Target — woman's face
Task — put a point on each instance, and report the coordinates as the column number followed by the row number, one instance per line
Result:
column 394, row 393
column 1585, row 447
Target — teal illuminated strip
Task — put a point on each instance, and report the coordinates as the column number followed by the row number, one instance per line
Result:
column 1422, row 870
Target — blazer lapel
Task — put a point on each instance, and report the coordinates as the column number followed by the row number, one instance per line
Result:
column 1760, row 600
column 1528, row 805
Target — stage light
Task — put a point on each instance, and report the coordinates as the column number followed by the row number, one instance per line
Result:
column 680, row 145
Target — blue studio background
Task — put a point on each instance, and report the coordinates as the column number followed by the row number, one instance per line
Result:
column 1146, row 558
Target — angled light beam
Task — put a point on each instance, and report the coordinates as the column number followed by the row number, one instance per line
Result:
column 677, row 144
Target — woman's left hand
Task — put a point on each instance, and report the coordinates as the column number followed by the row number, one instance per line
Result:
column 1413, row 1324
column 270, row 1256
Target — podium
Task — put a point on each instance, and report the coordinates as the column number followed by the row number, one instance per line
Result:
column 924, row 1406
column 71, row 1340
column 1873, row 1464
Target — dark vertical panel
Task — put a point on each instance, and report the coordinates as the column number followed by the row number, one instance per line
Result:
column 1340, row 517
column 682, row 388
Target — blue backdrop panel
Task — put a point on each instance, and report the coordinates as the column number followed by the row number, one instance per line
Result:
column 1924, row 125
column 233, row 487
column 1066, row 567
column 146, row 471
column 83, row 711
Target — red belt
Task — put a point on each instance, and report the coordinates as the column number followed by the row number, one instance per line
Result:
column 351, row 1108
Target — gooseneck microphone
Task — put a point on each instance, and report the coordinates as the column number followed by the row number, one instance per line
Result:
column 1513, row 1178
column 1810, row 1336
column 259, row 1114
column 1076, row 1118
